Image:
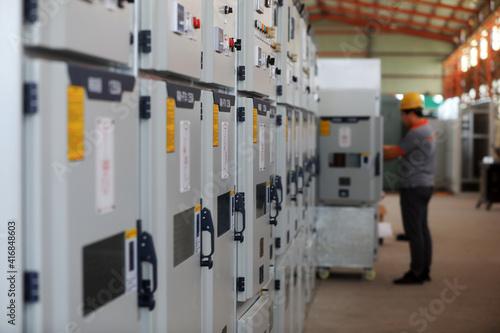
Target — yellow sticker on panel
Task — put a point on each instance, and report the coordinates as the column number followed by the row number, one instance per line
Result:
column 324, row 127
column 170, row 125
column 216, row 126
column 76, row 123
column 254, row 125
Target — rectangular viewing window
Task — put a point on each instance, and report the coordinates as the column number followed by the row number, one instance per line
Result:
column 223, row 213
column 261, row 200
column 103, row 263
column 336, row 160
column 344, row 181
column 353, row 161
column 183, row 236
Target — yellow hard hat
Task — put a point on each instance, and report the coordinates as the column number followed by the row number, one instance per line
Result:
column 411, row 100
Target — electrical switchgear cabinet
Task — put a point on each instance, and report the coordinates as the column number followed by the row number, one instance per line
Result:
column 257, row 59
column 219, row 180
column 81, row 199
column 287, row 30
column 65, row 26
column 171, row 201
column 170, row 37
column 219, row 43
column 254, row 233
column 351, row 160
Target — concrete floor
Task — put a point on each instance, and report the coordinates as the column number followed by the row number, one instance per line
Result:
column 463, row 296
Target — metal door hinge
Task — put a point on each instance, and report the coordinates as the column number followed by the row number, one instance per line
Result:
column 31, row 287
column 30, row 98
column 145, row 107
column 145, row 41
column 241, row 114
column 241, row 73
column 31, row 10
column 240, row 283
column 277, row 284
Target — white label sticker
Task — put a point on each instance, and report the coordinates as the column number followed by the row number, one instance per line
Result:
column 105, row 166
column 130, row 261
column 225, row 150
column 345, row 137
column 197, row 229
column 185, row 156
column 262, row 147
column 271, row 145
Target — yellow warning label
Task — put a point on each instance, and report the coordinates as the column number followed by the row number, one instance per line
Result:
column 268, row 183
column 324, row 127
column 286, row 127
column 254, row 125
column 170, row 125
column 76, row 123
column 197, row 209
column 233, row 192
column 294, row 128
column 365, row 154
column 216, row 126
column 132, row 233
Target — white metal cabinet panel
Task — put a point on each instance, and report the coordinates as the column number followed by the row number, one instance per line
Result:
column 282, row 234
column 283, row 301
column 219, row 180
column 219, row 43
column 257, row 318
column 171, row 159
column 257, row 32
column 79, row 205
column 287, row 24
column 253, row 179
column 65, row 26
column 175, row 37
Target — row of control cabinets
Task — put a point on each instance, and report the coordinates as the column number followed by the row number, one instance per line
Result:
column 167, row 203
column 262, row 47
column 169, row 163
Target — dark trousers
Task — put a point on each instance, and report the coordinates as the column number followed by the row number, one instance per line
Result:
column 414, row 203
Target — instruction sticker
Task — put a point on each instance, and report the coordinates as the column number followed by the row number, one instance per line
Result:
column 216, row 126
column 197, row 231
column 271, row 145
column 185, row 158
column 76, row 123
column 262, row 147
column 105, row 166
column 131, row 260
column 225, row 150
column 345, row 137
column 170, row 125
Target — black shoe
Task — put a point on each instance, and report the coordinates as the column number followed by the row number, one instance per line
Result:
column 409, row 278
column 425, row 276
column 402, row 237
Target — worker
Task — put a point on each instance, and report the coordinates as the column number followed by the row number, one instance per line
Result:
column 416, row 153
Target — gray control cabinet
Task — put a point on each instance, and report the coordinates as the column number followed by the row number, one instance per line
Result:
column 282, row 234
column 219, row 180
column 351, row 160
column 287, row 30
column 219, row 43
column 65, row 26
column 257, row 59
column 170, row 32
column 254, row 233
column 171, row 202
column 283, row 306
column 81, row 199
